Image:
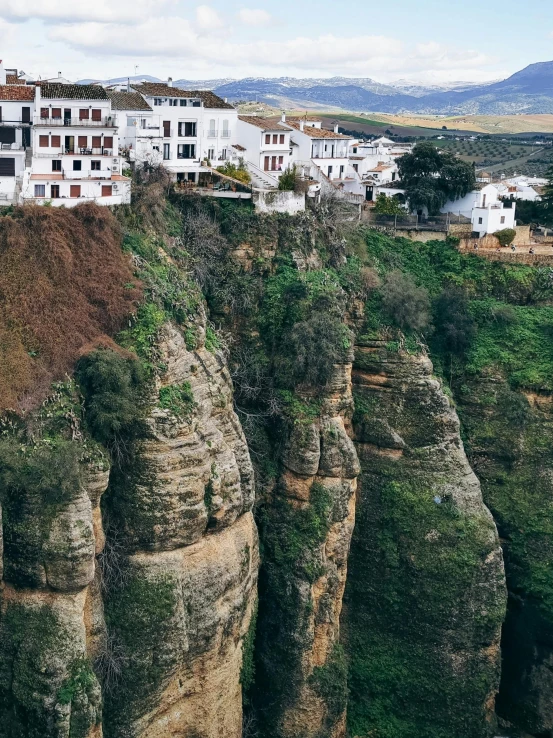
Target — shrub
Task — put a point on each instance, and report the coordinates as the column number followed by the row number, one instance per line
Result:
column 113, row 387
column 455, row 326
column 287, row 179
column 316, row 344
column 388, row 205
column 405, row 304
column 236, row 172
column 506, row 236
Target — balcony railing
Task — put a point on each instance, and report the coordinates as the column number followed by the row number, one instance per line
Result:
column 12, row 147
column 225, row 133
column 212, row 134
column 49, row 154
column 107, row 122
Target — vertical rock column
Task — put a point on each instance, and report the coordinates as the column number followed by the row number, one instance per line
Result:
column 426, row 593
column 47, row 686
column 307, row 533
column 180, row 516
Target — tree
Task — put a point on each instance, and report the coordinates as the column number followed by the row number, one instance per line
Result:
column 388, row 205
column 431, row 177
column 547, row 200
column 405, row 304
column 287, row 181
column 506, row 236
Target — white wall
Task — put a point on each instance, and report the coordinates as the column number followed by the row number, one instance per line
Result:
column 279, row 202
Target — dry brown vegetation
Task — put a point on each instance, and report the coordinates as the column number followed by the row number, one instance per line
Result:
column 64, row 284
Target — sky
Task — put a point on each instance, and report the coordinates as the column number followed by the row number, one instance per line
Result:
column 428, row 41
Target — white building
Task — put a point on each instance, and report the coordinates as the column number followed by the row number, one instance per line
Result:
column 75, row 149
column 266, row 144
column 486, row 211
column 195, row 126
column 140, row 131
column 17, row 105
column 328, row 150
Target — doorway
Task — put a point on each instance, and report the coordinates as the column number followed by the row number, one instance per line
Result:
column 67, row 116
column 70, row 144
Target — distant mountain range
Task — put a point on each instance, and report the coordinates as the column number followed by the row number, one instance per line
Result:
column 529, row 91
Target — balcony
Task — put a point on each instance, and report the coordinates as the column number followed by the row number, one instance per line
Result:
column 212, row 134
column 225, row 133
column 12, row 147
column 107, row 122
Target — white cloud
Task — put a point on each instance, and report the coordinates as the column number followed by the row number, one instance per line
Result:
column 208, row 19
column 68, row 11
column 255, row 17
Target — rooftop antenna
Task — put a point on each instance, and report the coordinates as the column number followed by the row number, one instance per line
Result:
column 135, row 69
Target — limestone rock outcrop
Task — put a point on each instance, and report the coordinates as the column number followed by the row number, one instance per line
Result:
column 426, row 594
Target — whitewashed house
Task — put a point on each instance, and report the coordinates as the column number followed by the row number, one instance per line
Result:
column 75, row 148
column 139, row 129
column 327, row 150
column 486, row 211
column 266, row 144
column 195, row 126
column 16, row 112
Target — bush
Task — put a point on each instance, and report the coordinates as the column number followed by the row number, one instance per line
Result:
column 455, row 326
column 388, row 205
column 506, row 236
column 287, row 179
column 113, row 387
column 236, row 172
column 405, row 304
column 316, row 345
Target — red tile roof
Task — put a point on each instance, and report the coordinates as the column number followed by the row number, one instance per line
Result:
column 17, row 92
column 318, row 132
column 266, row 124
column 160, row 89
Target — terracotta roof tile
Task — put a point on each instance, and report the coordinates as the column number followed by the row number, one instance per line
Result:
column 127, row 101
column 53, row 91
column 266, row 124
column 13, row 79
column 160, row 89
column 17, row 92
column 382, row 167
column 318, row 132
column 238, row 147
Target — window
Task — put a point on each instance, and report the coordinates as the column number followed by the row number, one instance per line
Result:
column 355, row 150
column 54, row 191
column 95, row 165
column 167, row 128
column 356, row 167
column 166, row 151
column 479, row 221
column 106, row 191
column 75, row 191
column 56, row 165
column 43, row 141
column 40, row 190
column 186, row 151
column 341, row 171
column 502, row 219
column 212, row 131
column 44, row 112
column 55, row 141
column 131, row 121
column 196, row 103
column 191, row 176
column 158, row 101
column 393, row 176
column 226, row 132
column 82, row 141
column 173, row 102
column 187, row 129
column 0, row 112
column 267, row 138
column 96, row 114
column 211, row 154
column 96, row 142
column 77, row 165
column 183, row 103
column 84, row 114
column 282, row 138
column 56, row 113
column 267, row 163
column 329, row 171
column 275, row 138
column 108, row 142
column 7, row 166
column 280, row 163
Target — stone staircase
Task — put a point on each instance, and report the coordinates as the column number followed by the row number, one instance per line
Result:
column 28, row 157
column 261, row 180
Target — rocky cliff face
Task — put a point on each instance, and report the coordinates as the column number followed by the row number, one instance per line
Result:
column 164, row 616
column 509, row 436
column 307, row 533
column 425, row 595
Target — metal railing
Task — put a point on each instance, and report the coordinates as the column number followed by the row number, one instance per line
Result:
column 225, row 133
column 212, row 134
column 107, row 122
column 12, row 147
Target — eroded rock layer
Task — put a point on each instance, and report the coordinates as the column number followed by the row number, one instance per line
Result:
column 307, row 533
column 425, row 596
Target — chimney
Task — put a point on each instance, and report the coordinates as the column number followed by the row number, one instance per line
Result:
column 302, row 125
column 2, row 74
column 169, row 81
column 336, row 127
column 128, row 84
column 283, row 118
column 226, row 99
column 59, row 75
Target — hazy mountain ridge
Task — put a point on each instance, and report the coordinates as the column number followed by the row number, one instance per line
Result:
column 528, row 91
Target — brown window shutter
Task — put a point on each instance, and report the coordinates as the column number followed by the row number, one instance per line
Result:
column 43, row 141
column 44, row 113
column 56, row 141
column 275, row 138
column 96, row 142
column 166, row 128
column 83, row 140
column 282, row 138
column 56, row 113
column 108, row 142
column 75, row 190
column 106, row 190
column 84, row 114
column 96, row 114
column 268, row 138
